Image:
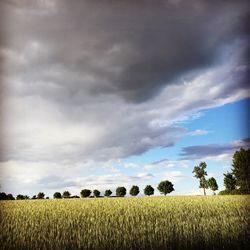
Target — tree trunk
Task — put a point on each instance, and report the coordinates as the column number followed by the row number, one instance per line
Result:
column 204, row 191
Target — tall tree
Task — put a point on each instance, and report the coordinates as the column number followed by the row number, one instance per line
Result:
column 241, row 169
column 149, row 190
column 165, row 187
column 134, row 190
column 212, row 184
column 200, row 174
column 229, row 181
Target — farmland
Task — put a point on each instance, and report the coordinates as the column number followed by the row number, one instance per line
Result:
column 216, row 222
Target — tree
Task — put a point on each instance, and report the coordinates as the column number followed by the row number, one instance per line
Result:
column 85, row 193
column 57, row 195
column 165, row 187
column 121, row 191
column 20, row 197
column 134, row 190
column 212, row 184
column 200, row 174
column 148, row 190
column 40, row 195
column 66, row 194
column 107, row 192
column 229, row 181
column 3, row 196
column 96, row 193
column 33, row 197
column 10, row 197
column 241, row 169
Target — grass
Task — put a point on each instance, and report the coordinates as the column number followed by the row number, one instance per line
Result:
column 218, row 222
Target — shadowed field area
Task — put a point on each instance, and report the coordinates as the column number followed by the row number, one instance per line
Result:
column 217, row 222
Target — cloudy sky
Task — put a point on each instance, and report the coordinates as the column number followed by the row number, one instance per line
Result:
column 98, row 94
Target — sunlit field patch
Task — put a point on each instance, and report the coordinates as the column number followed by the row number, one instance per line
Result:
column 217, row 222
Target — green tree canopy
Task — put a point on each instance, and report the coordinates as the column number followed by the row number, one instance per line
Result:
column 212, row 184
column 107, row 192
column 85, row 193
column 10, row 197
column 96, row 193
column 66, row 194
column 241, row 169
column 57, row 195
column 134, row 190
column 121, row 191
column 165, row 187
column 229, row 181
column 20, row 197
column 40, row 195
column 149, row 190
column 200, row 173
column 3, row 196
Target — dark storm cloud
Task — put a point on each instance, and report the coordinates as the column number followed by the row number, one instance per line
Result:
column 130, row 49
column 95, row 66
column 81, row 79
column 201, row 151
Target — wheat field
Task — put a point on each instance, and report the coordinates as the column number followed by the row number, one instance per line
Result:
column 217, row 222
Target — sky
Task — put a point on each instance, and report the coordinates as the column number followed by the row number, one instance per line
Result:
column 101, row 94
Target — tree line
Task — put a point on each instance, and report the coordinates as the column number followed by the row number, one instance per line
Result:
column 164, row 187
column 236, row 181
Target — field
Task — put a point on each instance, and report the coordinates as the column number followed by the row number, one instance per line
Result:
column 218, row 222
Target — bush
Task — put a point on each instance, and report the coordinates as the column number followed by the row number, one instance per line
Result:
column 231, row 192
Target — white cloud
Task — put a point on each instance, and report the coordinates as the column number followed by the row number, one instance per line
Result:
column 78, row 97
column 174, row 176
column 163, row 164
column 197, row 132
